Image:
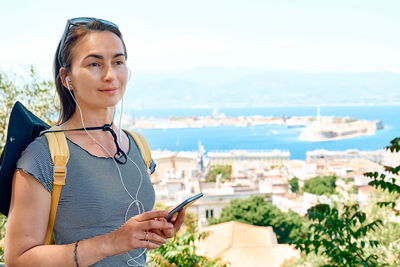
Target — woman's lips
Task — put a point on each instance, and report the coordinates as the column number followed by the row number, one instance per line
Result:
column 109, row 90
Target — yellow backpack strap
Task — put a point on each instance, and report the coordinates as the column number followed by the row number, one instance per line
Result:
column 59, row 154
column 143, row 147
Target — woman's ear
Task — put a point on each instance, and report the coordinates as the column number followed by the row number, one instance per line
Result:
column 65, row 81
column 129, row 74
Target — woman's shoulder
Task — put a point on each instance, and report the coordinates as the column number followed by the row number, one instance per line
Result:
column 38, row 146
column 36, row 161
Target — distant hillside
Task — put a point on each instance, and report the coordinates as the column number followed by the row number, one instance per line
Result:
column 219, row 87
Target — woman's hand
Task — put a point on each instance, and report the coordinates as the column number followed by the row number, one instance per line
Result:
column 141, row 231
column 177, row 223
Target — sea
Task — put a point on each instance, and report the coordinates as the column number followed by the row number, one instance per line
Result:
column 269, row 137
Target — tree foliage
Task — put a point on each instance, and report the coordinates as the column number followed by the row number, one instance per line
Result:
column 387, row 183
column 180, row 251
column 387, row 180
column 3, row 220
column 224, row 170
column 342, row 237
column 320, row 185
column 294, row 185
column 388, row 251
column 256, row 211
column 350, row 237
column 38, row 96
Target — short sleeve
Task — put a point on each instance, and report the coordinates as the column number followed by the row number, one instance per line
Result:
column 36, row 161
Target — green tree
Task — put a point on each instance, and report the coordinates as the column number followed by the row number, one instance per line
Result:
column 38, row 96
column 388, row 251
column 294, row 185
column 256, row 211
column 224, row 170
column 341, row 237
column 180, row 251
column 310, row 259
column 320, row 185
column 387, row 181
column 387, row 200
column 3, row 220
column 352, row 237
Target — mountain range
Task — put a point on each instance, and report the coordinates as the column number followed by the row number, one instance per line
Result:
column 239, row 87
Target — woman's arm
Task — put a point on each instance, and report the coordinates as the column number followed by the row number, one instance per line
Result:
column 27, row 224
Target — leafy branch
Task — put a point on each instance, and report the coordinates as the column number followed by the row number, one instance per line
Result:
column 340, row 237
column 181, row 251
column 387, row 181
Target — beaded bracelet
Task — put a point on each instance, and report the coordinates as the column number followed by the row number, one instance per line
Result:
column 76, row 253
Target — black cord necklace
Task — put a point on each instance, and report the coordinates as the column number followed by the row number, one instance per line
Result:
column 120, row 156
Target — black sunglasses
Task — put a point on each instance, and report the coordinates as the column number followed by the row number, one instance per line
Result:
column 77, row 22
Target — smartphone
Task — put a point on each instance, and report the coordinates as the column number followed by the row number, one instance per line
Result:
column 186, row 203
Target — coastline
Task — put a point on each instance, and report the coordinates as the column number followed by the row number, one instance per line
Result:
column 314, row 129
column 269, row 137
column 343, row 137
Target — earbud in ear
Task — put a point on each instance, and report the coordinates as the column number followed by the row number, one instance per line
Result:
column 68, row 81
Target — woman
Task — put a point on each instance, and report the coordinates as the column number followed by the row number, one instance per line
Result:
column 104, row 216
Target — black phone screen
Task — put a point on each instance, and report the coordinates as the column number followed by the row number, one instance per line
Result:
column 186, row 203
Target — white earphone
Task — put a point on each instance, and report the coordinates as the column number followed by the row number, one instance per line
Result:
column 68, row 81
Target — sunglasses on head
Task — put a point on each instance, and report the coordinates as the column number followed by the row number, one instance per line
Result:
column 77, row 22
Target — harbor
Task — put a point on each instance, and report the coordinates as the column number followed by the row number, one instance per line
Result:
column 313, row 129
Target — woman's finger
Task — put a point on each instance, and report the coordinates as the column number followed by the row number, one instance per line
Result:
column 158, row 232
column 177, row 224
column 151, row 215
column 179, row 219
column 153, row 224
column 147, row 244
column 155, row 238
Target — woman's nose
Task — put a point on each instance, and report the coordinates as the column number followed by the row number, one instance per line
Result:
column 109, row 73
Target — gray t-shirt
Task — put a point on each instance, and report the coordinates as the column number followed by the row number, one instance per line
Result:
column 94, row 200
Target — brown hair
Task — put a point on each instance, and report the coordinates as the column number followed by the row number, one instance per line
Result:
column 75, row 33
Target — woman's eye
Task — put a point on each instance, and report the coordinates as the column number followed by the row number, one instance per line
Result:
column 119, row 62
column 94, row 64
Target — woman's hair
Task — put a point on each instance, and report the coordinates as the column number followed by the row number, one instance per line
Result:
column 74, row 34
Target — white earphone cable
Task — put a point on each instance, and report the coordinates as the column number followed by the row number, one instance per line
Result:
column 135, row 200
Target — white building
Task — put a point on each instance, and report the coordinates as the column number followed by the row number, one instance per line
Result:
column 274, row 157
column 301, row 169
column 375, row 156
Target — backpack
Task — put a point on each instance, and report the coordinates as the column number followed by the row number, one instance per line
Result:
column 23, row 128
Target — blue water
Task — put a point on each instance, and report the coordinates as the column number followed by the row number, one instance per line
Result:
column 269, row 137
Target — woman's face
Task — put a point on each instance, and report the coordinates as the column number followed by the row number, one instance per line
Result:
column 98, row 71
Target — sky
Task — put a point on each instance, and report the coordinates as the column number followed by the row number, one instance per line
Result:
column 171, row 35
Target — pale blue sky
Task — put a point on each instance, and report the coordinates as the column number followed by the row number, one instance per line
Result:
column 317, row 36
